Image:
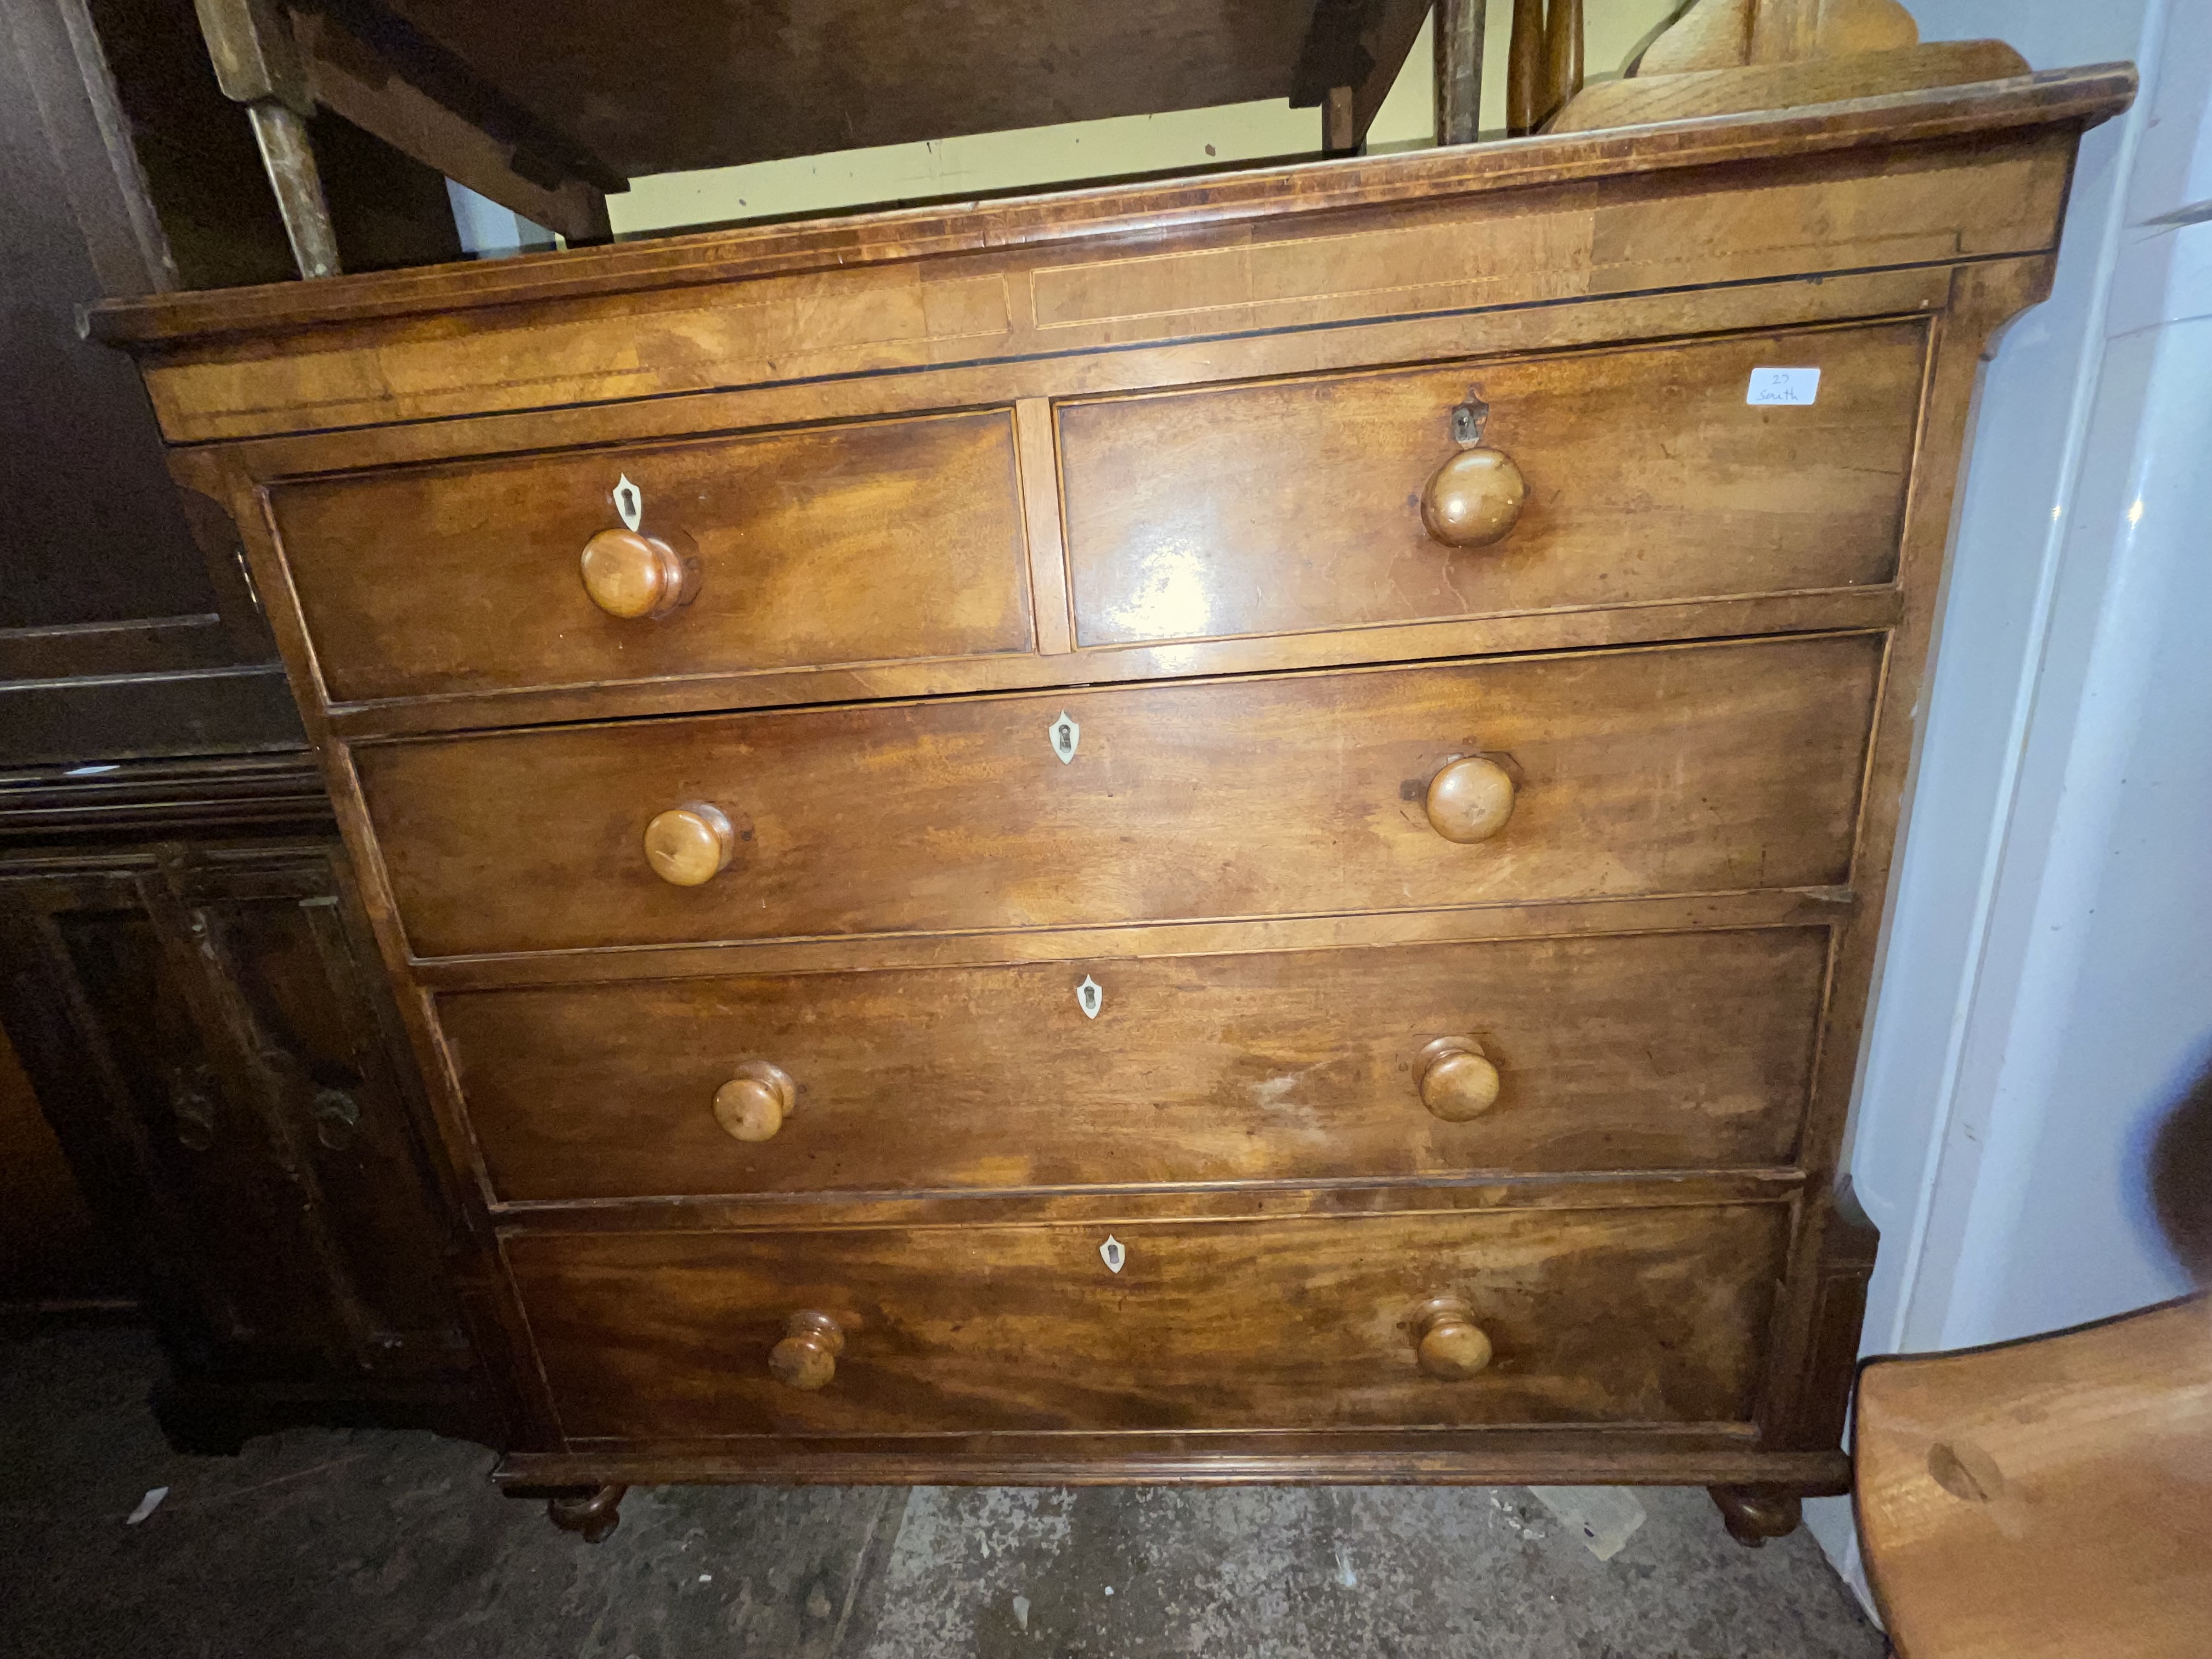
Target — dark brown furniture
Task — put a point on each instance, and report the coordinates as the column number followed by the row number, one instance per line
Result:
column 1223, row 831
column 203, row 1104
column 195, row 1001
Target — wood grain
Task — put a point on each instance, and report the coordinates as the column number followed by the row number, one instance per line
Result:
column 1683, row 769
column 1294, row 504
column 1335, row 1457
column 1245, row 864
column 2058, row 102
column 2045, row 1497
column 1638, row 1316
column 1778, row 85
column 1997, row 199
column 829, row 545
column 1658, row 1051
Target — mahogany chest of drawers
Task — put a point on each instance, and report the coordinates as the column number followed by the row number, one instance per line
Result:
column 1227, row 830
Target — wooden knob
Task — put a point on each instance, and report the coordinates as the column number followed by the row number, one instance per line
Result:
column 690, row 844
column 1474, row 499
column 630, row 574
column 1457, row 1079
column 807, row 1356
column 1451, row 1345
column 753, row 1105
column 1470, row 800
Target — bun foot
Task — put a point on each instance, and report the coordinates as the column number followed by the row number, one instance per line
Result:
column 1756, row 1514
column 594, row 1512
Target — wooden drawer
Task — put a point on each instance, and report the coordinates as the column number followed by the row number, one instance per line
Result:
column 1625, row 1316
column 1289, row 505
column 1657, row 1051
column 1686, row 768
column 828, row 544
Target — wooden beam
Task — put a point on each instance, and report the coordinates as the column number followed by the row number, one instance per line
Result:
column 1339, row 135
column 257, row 63
column 290, row 159
column 349, row 79
column 255, row 60
column 1458, row 43
column 1353, row 54
column 542, row 152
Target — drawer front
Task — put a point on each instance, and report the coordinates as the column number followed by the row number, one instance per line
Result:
column 1676, row 769
column 1653, row 1315
column 829, row 545
column 1294, row 505
column 1659, row 1051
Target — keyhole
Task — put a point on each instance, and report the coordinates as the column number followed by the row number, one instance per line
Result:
column 1066, row 735
column 1089, row 996
column 629, row 502
column 1112, row 1253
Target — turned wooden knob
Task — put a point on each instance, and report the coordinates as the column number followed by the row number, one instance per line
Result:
column 1451, row 1345
column 1457, row 1079
column 690, row 844
column 753, row 1105
column 807, row 1356
column 1470, row 800
column 630, row 574
column 1474, row 499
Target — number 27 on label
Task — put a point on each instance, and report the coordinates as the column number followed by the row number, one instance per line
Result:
column 1784, row 386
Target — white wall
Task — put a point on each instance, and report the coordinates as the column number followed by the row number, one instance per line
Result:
column 2046, row 987
column 489, row 231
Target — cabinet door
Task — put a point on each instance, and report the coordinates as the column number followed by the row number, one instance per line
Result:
column 206, row 1037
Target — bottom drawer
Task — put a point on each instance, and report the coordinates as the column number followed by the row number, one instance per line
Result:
column 1623, row 1316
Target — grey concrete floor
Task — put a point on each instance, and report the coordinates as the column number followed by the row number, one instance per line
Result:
column 337, row 1544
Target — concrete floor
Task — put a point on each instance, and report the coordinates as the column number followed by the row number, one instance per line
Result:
column 336, row 1544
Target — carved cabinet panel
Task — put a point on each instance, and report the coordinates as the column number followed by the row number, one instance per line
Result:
column 205, row 1033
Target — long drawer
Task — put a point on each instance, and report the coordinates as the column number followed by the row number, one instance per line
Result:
column 1601, row 1316
column 1295, row 504
column 844, row 544
column 1692, row 768
column 1660, row 1051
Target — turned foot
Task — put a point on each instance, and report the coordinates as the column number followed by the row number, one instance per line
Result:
column 594, row 1512
column 1756, row 1514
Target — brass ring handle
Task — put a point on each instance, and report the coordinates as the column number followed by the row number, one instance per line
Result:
column 1474, row 498
column 1450, row 1345
column 691, row 844
column 630, row 574
column 1457, row 1079
column 1470, row 800
column 807, row 1356
column 753, row 1105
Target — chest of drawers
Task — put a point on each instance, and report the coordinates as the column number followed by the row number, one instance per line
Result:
column 1228, row 831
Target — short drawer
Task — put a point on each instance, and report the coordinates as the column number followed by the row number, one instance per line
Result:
column 1292, row 505
column 1592, row 1316
column 1687, row 768
column 846, row 544
column 1655, row 1051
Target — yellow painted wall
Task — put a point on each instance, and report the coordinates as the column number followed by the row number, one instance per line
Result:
column 1043, row 157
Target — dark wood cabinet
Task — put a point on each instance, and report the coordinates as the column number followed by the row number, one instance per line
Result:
column 194, row 998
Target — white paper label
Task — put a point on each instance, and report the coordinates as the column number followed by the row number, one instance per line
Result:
column 1782, row 386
